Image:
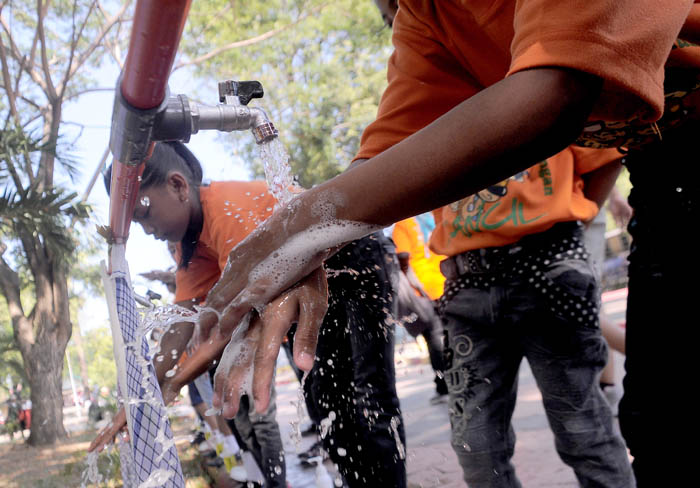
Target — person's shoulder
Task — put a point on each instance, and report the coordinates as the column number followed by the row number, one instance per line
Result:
column 228, row 190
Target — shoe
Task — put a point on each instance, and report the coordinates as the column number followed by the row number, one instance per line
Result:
column 309, row 430
column 205, row 446
column 215, row 462
column 197, row 439
column 315, row 450
column 438, row 399
column 207, row 453
column 238, row 473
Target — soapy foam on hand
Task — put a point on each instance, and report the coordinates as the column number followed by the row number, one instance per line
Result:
column 238, row 352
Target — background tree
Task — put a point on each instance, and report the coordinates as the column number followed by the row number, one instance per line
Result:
column 322, row 64
column 46, row 51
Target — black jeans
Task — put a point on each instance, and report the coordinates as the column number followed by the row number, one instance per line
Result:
column 661, row 308
column 353, row 383
column 537, row 299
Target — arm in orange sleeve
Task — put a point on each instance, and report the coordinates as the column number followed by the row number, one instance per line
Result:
column 691, row 29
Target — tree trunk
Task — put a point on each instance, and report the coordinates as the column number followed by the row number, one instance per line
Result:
column 44, row 366
column 42, row 338
column 78, row 341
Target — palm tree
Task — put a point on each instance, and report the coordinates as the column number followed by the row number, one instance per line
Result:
column 36, row 246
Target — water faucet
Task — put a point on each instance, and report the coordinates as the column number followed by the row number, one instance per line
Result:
column 182, row 117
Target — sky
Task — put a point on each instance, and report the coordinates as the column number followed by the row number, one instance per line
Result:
column 93, row 112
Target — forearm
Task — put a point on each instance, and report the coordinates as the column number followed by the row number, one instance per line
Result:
column 691, row 29
column 599, row 183
column 199, row 362
column 487, row 138
column 175, row 339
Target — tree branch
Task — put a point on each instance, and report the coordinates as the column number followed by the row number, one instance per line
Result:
column 83, row 57
column 80, row 93
column 250, row 41
column 113, row 47
column 11, row 96
column 17, row 56
column 10, row 287
column 41, row 11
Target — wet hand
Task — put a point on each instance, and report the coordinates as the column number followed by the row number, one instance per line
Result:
column 306, row 304
column 107, row 434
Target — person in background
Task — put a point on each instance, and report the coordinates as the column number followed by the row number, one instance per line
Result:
column 594, row 237
column 420, row 287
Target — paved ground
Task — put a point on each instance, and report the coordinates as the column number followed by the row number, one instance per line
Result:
column 430, row 459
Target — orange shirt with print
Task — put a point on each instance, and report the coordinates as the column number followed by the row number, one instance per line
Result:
column 408, row 238
column 527, row 203
column 231, row 210
column 447, row 51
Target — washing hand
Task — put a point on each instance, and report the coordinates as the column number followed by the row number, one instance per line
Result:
column 108, row 434
column 306, row 304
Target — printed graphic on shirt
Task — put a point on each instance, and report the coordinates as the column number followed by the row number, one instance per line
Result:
column 682, row 98
column 474, row 214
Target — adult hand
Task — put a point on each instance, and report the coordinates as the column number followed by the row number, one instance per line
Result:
column 278, row 254
column 107, row 434
column 306, row 303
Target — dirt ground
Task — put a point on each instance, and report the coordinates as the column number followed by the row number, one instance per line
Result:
column 62, row 465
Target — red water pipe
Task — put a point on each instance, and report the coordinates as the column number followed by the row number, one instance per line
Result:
column 155, row 36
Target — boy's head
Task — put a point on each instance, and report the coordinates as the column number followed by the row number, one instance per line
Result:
column 388, row 9
column 169, row 191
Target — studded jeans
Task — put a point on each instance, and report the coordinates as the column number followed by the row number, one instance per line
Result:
column 539, row 300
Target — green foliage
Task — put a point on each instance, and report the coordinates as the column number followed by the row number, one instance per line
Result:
column 27, row 211
column 322, row 67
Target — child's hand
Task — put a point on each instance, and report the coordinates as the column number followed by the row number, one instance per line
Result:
column 107, row 435
column 306, row 303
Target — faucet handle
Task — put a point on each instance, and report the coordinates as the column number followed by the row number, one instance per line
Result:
column 244, row 90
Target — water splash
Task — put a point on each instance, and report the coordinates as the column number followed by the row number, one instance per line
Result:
column 91, row 473
column 239, row 353
column 395, row 421
column 295, row 434
column 278, row 173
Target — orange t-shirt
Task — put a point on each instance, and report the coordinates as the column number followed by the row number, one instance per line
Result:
column 408, row 238
column 447, row 51
column 529, row 202
column 231, row 210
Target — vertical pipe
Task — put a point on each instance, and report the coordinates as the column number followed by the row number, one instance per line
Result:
column 155, row 36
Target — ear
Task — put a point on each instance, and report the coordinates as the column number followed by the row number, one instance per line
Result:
column 178, row 183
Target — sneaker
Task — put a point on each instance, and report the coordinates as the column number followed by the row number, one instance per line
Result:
column 238, row 473
column 309, row 430
column 438, row 399
column 197, row 439
column 315, row 450
column 215, row 462
column 205, row 448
